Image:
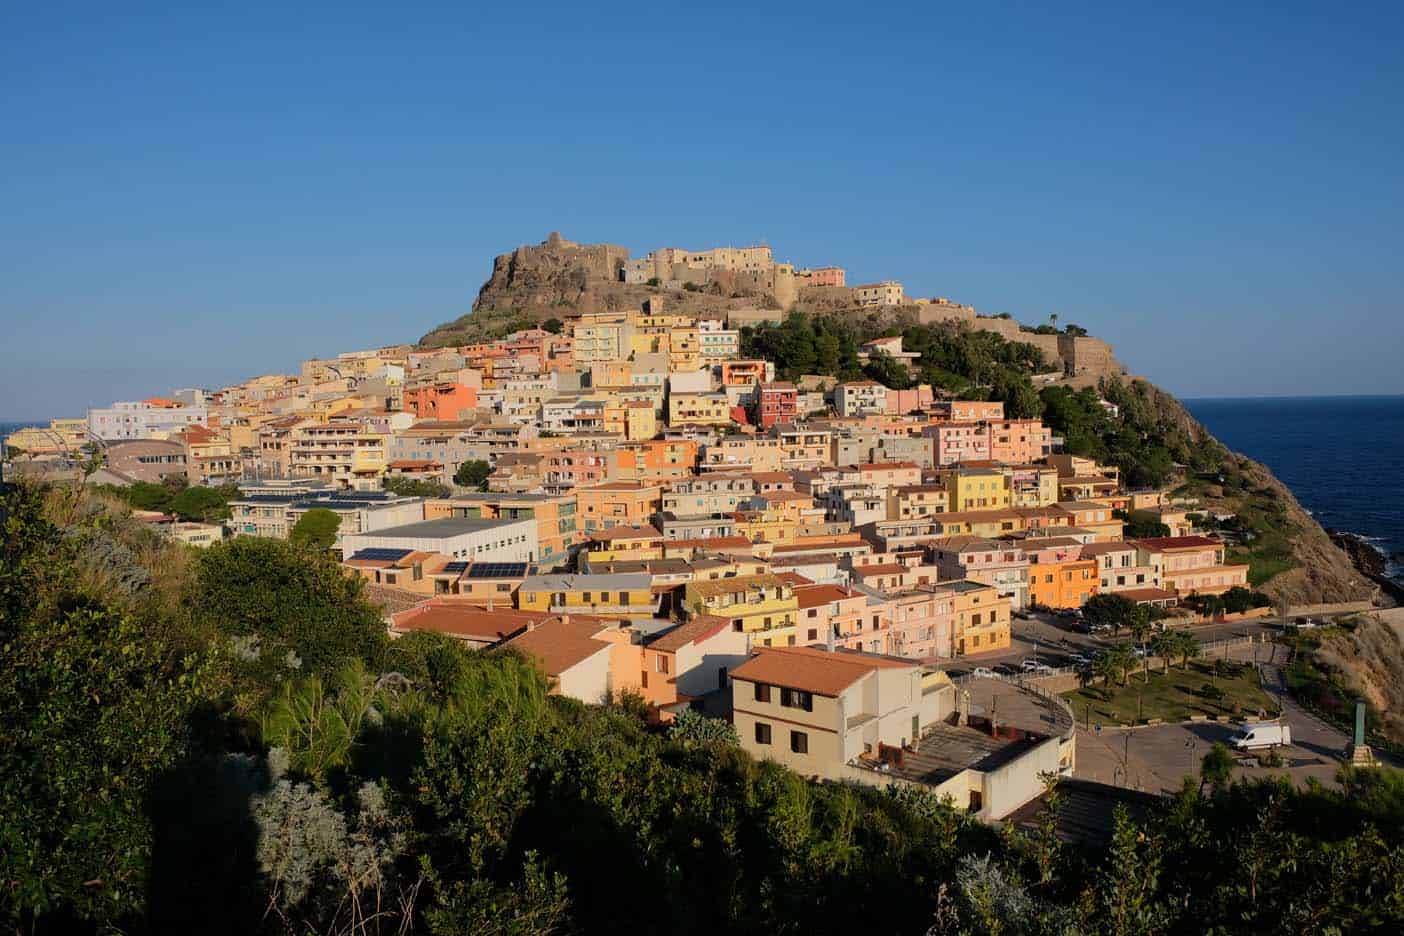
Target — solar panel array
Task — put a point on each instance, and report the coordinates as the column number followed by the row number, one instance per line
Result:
column 455, row 568
column 381, row 554
column 498, row 570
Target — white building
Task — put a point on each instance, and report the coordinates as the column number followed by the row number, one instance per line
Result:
column 460, row 537
column 860, row 397
column 143, row 420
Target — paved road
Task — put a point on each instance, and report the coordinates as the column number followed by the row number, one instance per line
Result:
column 1050, row 639
column 1157, row 759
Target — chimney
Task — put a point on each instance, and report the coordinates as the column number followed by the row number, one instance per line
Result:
column 829, row 639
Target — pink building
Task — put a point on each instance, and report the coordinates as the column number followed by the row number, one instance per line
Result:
column 1001, row 564
column 921, row 622
column 968, row 410
column 956, row 442
column 1019, row 441
column 823, row 276
column 909, row 401
column 829, row 610
column 884, row 475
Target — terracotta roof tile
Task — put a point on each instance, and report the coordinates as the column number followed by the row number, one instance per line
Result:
column 809, row 669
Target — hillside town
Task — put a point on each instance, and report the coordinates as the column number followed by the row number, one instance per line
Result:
column 628, row 499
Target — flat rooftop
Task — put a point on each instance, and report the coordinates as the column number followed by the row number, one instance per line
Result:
column 946, row 750
column 445, row 526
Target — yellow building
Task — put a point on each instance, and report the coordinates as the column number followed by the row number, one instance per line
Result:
column 917, row 500
column 1032, row 485
column 636, row 421
column 623, row 544
column 698, row 409
column 684, row 349
column 1095, row 516
column 623, row 595
column 976, row 489
column 61, row 436
column 982, row 617
column 760, row 605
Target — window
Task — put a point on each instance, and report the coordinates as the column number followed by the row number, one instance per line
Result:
column 813, row 634
column 799, row 741
column 762, row 733
column 662, row 664
column 795, row 698
column 762, row 692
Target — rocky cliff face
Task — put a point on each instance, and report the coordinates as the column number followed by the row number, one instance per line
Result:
column 557, row 278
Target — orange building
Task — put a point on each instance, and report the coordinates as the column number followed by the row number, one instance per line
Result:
column 743, row 373
column 657, row 460
column 1063, row 584
column 618, row 503
column 442, row 401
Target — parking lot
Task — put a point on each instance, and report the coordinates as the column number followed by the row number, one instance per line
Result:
column 1054, row 641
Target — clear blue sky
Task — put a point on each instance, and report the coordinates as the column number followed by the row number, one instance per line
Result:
column 192, row 196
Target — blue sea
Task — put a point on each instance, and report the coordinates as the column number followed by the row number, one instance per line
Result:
column 1343, row 457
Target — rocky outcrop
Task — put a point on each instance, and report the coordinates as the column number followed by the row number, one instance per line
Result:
column 558, row 278
column 1370, row 562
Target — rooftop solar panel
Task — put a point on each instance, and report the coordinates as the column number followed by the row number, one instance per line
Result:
column 455, row 568
column 381, row 554
column 498, row 570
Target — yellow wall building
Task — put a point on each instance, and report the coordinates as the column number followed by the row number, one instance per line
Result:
column 982, row 617
column 760, row 605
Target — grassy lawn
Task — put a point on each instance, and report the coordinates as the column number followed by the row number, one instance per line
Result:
column 1172, row 696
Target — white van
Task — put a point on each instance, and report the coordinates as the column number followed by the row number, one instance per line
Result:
column 1253, row 737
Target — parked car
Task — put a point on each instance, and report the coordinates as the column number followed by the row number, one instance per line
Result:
column 1004, row 669
column 983, row 672
column 1035, row 666
column 1255, row 737
column 1079, row 659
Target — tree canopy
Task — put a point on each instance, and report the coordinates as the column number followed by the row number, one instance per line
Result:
column 473, row 474
column 316, row 529
column 253, row 758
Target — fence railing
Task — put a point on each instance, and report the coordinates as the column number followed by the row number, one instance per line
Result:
column 1063, row 718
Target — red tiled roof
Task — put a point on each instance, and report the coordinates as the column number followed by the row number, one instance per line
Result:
column 458, row 618
column 812, row 596
column 714, row 542
column 885, row 568
column 646, row 531
column 559, row 644
column 1148, row 594
column 1159, row 543
column 698, row 629
column 821, row 672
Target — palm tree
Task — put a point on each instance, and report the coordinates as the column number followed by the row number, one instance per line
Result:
column 1163, row 645
column 1186, row 647
column 1125, row 660
column 1140, row 625
column 1106, row 666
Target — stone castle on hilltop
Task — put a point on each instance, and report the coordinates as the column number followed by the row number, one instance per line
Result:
column 748, row 286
